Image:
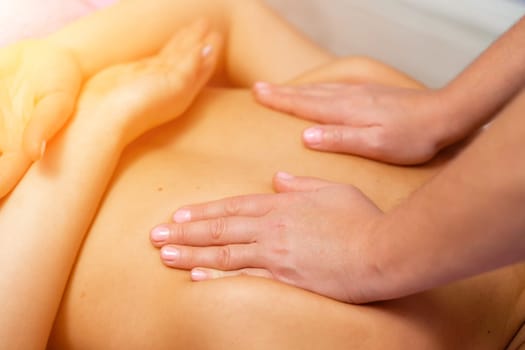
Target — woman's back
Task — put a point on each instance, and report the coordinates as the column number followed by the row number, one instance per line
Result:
column 120, row 295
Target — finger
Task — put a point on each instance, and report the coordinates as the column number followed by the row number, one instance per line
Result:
column 362, row 141
column 284, row 182
column 203, row 274
column 213, row 44
column 12, row 168
column 251, row 205
column 49, row 116
column 190, row 68
column 219, row 231
column 186, row 37
column 228, row 257
column 315, row 103
column 201, row 63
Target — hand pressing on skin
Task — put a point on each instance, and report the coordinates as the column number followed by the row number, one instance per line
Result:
column 390, row 124
column 313, row 234
column 39, row 84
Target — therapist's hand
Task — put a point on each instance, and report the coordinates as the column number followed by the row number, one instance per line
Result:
column 390, row 124
column 314, row 234
column 39, row 84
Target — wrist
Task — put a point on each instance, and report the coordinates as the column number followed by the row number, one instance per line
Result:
column 377, row 272
column 61, row 41
column 392, row 265
column 447, row 118
column 89, row 128
column 57, row 43
column 465, row 111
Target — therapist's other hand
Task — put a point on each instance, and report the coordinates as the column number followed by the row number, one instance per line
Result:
column 39, row 84
column 390, row 124
column 314, row 235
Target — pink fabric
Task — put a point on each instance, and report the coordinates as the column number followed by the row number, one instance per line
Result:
column 100, row 3
column 21, row 19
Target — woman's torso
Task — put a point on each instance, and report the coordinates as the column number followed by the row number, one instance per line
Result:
column 120, row 295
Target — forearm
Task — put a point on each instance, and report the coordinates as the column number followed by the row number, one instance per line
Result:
column 42, row 225
column 488, row 83
column 131, row 29
column 259, row 45
column 467, row 220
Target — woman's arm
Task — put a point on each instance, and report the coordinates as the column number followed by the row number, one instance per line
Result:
column 43, row 222
column 45, row 75
column 42, row 225
column 133, row 29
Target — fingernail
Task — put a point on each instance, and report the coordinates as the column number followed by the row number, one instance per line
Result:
column 169, row 253
column 284, row 176
column 181, row 216
column 160, row 233
column 198, row 275
column 207, row 50
column 313, row 136
column 262, row 87
column 43, row 147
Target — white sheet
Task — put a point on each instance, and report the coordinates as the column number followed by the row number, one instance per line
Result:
column 431, row 39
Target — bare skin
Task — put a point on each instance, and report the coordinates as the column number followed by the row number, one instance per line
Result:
column 115, row 107
column 119, row 297
column 402, row 125
column 324, row 236
column 39, row 84
column 44, row 76
column 117, row 281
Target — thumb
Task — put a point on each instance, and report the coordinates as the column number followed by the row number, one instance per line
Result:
column 50, row 115
column 362, row 141
column 284, row 182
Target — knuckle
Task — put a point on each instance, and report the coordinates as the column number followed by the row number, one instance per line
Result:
column 217, row 228
column 224, row 258
column 312, row 107
column 335, row 137
column 200, row 212
column 278, row 242
column 291, row 103
column 180, row 233
column 232, row 206
column 188, row 258
column 279, row 225
column 287, row 101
